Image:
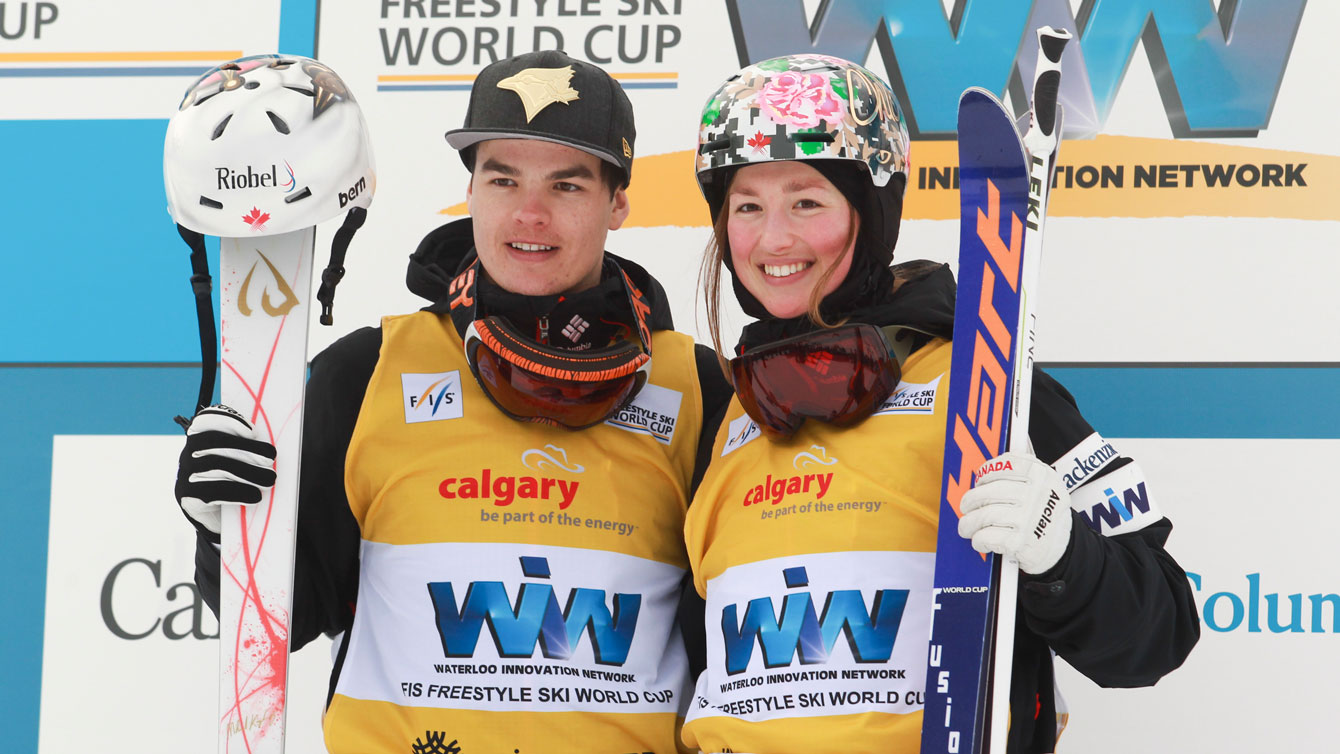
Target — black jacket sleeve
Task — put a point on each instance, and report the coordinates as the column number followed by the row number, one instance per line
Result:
column 1118, row 608
column 325, row 579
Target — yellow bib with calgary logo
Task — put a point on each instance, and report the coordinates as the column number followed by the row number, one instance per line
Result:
column 518, row 582
column 816, row 558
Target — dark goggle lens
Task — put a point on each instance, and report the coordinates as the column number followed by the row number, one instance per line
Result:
column 837, row 376
column 528, row 396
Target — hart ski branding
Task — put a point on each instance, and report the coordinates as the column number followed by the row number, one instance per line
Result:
column 535, row 619
column 1085, row 459
column 505, row 489
column 802, row 632
column 775, row 490
column 432, row 397
column 272, row 309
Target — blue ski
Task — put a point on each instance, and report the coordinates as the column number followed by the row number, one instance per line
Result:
column 1002, row 192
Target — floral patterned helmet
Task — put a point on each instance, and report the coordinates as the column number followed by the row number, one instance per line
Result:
column 801, row 107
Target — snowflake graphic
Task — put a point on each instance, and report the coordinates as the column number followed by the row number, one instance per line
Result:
column 436, row 744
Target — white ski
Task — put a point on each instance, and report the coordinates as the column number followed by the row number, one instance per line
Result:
column 1042, row 141
column 265, row 286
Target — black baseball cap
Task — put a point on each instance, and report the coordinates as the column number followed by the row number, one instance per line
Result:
column 549, row 96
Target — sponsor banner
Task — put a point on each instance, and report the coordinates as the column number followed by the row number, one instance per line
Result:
column 818, row 634
column 1117, row 503
column 911, row 398
column 653, row 411
column 515, row 627
column 126, row 630
column 1084, row 460
column 83, row 59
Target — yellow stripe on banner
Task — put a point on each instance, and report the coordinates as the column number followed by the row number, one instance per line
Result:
column 402, row 77
column 647, row 75
column 357, row 726
column 1126, row 177
column 427, row 77
column 116, row 57
column 863, row 733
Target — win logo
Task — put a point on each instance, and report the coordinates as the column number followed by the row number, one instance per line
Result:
column 1117, row 509
column 536, row 618
column 812, row 636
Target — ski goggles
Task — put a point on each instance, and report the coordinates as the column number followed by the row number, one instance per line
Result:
column 838, row 376
column 535, row 382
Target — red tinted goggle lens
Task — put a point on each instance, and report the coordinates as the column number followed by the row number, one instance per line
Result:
column 587, row 389
column 838, row 376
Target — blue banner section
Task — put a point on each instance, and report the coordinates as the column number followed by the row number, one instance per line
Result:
column 41, row 402
column 95, row 270
column 1189, row 401
column 298, row 27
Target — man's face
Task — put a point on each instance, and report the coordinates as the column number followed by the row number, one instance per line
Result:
column 541, row 214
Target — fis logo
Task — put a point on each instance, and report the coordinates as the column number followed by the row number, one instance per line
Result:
column 739, row 432
column 1117, row 509
column 802, row 630
column 535, row 619
column 431, row 397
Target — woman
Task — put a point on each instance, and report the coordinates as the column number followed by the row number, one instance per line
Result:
column 812, row 535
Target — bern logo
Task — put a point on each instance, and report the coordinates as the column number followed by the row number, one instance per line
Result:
column 541, row 87
column 353, row 192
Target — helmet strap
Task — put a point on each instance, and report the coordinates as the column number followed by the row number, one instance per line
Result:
column 334, row 272
column 202, row 286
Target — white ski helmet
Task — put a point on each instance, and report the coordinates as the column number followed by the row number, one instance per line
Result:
column 264, row 145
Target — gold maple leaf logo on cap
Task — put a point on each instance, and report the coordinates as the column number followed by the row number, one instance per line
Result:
column 541, row 87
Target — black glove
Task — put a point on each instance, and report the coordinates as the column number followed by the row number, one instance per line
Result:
column 224, row 462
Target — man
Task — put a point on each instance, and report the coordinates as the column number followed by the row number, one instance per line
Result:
column 493, row 488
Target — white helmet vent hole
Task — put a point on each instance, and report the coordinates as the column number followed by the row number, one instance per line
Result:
column 218, row 130
column 251, row 84
column 300, row 90
column 205, row 201
column 278, row 122
column 306, row 192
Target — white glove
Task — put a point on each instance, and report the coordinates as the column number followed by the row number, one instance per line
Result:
column 1019, row 509
column 224, row 461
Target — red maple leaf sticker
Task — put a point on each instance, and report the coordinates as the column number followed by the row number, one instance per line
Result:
column 758, row 141
column 256, row 219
